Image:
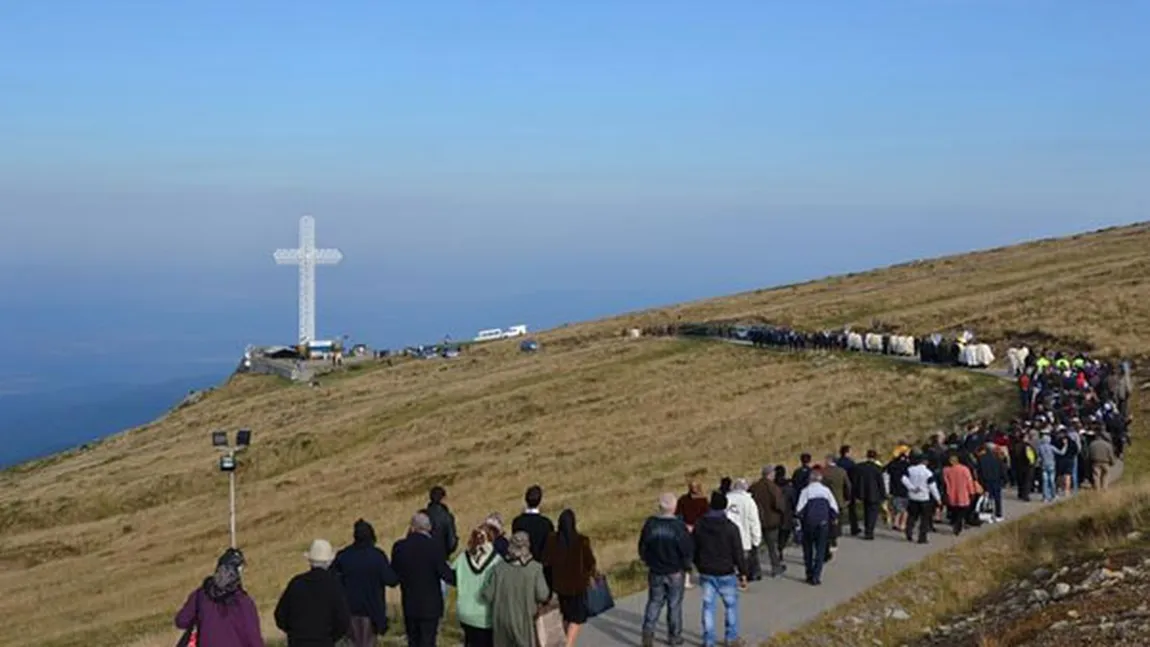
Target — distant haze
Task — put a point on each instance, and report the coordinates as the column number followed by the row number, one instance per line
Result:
column 487, row 164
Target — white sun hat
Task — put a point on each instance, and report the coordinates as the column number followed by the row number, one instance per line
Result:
column 320, row 552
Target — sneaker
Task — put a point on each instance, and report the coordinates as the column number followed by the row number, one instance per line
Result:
column 648, row 640
column 999, row 519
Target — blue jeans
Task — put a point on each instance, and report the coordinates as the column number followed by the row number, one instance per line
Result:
column 726, row 587
column 665, row 591
column 815, row 540
column 1047, row 483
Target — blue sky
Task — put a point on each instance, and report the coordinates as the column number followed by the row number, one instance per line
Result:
column 486, row 163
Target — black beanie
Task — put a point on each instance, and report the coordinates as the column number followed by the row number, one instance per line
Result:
column 718, row 501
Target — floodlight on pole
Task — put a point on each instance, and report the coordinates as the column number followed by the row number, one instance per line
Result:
column 228, row 464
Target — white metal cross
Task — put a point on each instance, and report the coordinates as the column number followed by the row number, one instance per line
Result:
column 307, row 257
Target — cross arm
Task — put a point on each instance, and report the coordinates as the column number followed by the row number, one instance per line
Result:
column 328, row 256
column 287, row 256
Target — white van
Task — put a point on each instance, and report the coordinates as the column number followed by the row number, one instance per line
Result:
column 515, row 331
column 489, row 335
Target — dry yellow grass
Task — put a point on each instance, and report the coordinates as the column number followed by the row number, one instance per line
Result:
column 101, row 545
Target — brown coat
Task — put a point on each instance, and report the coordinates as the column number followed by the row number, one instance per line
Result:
column 771, row 502
column 571, row 566
column 836, row 480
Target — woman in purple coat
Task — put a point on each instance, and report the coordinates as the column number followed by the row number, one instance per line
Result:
column 223, row 614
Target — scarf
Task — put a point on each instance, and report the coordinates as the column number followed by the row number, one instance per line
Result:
column 223, row 584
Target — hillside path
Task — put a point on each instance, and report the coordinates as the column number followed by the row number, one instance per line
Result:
column 775, row 606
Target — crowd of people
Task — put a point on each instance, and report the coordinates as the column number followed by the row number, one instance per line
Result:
column 502, row 583
column 1071, row 430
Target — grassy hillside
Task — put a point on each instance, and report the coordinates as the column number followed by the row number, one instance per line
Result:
column 104, row 543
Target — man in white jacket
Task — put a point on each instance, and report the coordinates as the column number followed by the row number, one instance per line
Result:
column 744, row 513
column 923, row 495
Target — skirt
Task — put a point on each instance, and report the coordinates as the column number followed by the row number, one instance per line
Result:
column 573, row 608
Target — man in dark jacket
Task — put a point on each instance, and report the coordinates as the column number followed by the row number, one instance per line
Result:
column 364, row 571
column 899, row 497
column 789, row 499
column 666, row 548
column 847, row 462
column 992, row 474
column 442, row 521
column 838, row 482
column 867, row 490
column 537, row 526
column 772, row 512
column 421, row 565
column 802, row 475
column 722, row 565
column 313, row 609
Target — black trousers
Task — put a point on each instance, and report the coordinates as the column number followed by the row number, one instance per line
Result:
column 853, row 516
column 870, row 518
column 922, row 513
column 958, row 516
column 421, row 632
column 475, row 637
column 754, row 567
column 774, row 553
column 1025, row 481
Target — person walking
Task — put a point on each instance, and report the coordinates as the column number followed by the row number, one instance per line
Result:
column 494, row 525
column 572, row 564
column 364, row 572
column 421, row 565
column 313, row 609
column 1102, row 459
column 802, row 474
column 220, row 610
column 443, row 528
column 847, row 462
column 992, row 475
column 473, row 568
column 815, row 513
column 772, row 510
column 923, row 495
column 1048, row 460
column 895, row 470
column 722, row 567
column 1066, row 459
column 744, row 513
column 690, row 508
column 514, row 593
column 537, row 525
column 666, row 549
column 960, row 489
column 869, row 491
column 1024, row 460
column 789, row 499
column 838, row 482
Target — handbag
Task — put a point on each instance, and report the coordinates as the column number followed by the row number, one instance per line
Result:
column 549, row 628
column 599, row 599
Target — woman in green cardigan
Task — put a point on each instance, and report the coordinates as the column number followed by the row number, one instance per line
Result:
column 473, row 568
column 514, row 592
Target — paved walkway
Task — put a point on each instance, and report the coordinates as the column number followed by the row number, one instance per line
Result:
column 774, row 606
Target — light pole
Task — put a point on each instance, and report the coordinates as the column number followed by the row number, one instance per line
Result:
column 228, row 464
